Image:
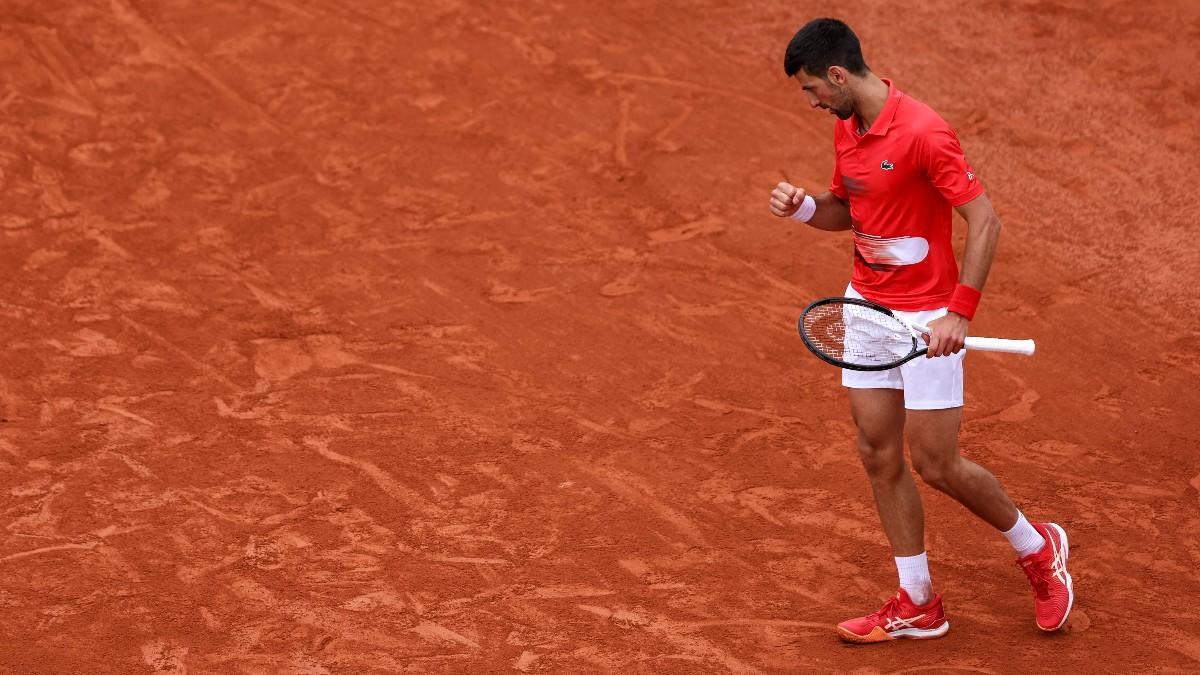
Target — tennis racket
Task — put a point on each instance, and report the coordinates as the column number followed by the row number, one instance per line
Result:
column 861, row 335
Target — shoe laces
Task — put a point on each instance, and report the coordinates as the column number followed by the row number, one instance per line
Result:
column 890, row 608
column 1039, row 576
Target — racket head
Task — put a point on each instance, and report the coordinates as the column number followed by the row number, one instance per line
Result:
column 857, row 334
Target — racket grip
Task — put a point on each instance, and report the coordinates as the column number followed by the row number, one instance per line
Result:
column 984, row 344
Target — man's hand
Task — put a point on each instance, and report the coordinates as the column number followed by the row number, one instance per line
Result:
column 946, row 335
column 785, row 199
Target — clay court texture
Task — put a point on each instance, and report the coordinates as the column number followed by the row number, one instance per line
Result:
column 371, row 337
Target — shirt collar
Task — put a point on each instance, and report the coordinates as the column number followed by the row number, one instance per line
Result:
column 884, row 121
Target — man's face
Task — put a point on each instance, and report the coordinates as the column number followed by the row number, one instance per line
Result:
column 826, row 92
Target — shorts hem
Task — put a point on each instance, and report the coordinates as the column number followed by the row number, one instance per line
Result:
column 873, row 385
column 933, row 405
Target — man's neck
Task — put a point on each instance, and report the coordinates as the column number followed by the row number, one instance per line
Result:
column 870, row 96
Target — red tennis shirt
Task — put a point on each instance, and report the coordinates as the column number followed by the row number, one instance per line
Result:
column 902, row 178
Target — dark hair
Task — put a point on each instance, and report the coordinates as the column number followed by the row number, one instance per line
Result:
column 822, row 43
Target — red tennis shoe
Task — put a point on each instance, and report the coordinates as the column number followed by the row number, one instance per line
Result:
column 1047, row 572
column 898, row 618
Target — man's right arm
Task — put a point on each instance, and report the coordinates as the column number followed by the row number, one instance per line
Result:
column 831, row 214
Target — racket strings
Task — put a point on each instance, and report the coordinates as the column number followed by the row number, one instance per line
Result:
column 857, row 334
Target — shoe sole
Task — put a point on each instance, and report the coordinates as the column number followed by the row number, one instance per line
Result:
column 878, row 634
column 1066, row 550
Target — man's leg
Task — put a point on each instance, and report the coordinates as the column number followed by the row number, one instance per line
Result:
column 1042, row 548
column 879, row 416
column 915, row 611
column 933, row 439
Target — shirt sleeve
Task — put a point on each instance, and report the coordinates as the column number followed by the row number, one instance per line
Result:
column 836, row 186
column 947, row 168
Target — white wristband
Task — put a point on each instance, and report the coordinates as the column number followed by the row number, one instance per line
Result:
column 807, row 208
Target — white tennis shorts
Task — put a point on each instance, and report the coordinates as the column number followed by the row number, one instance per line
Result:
column 928, row 383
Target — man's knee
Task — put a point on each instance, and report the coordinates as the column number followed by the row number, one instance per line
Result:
column 882, row 461
column 937, row 473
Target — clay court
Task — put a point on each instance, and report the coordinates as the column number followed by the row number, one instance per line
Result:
column 372, row 337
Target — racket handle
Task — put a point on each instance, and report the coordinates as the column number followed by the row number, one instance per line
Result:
column 984, row 344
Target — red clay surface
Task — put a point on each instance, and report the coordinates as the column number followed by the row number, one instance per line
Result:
column 456, row 337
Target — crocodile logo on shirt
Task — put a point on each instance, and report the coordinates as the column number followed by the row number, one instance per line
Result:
column 887, row 166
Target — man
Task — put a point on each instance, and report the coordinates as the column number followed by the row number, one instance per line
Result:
column 898, row 173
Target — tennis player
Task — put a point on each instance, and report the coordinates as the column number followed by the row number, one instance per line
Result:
column 898, row 174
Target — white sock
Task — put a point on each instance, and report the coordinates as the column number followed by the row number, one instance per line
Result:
column 1024, row 539
column 914, row 578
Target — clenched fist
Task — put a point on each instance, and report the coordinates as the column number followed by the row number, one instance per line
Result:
column 785, row 199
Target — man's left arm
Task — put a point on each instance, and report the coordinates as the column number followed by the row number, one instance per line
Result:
column 983, row 230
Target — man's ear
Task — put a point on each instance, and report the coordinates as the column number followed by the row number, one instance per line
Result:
column 837, row 75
